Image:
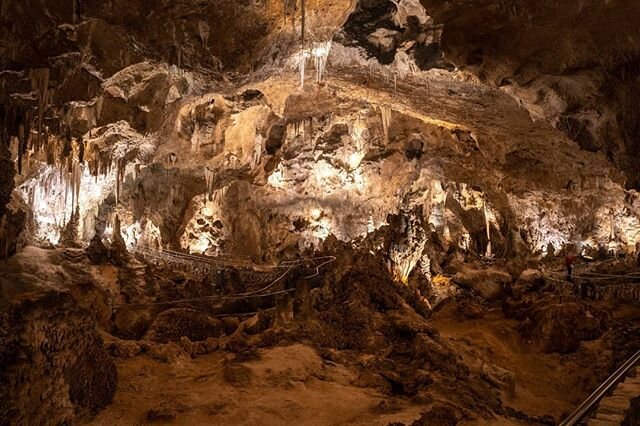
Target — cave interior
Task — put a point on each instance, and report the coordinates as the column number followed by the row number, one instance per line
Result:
column 319, row 212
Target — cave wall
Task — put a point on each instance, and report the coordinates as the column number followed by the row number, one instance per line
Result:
column 573, row 64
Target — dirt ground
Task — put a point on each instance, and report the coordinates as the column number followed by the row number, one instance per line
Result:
column 545, row 384
column 287, row 385
column 294, row 385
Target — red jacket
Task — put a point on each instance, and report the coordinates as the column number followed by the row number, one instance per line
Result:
column 570, row 260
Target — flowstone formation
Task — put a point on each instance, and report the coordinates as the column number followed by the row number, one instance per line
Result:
column 226, row 176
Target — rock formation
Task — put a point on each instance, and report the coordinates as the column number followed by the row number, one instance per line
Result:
column 364, row 168
column 55, row 368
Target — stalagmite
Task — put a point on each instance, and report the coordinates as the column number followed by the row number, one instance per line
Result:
column 119, row 253
column 69, row 236
column 612, row 226
column 407, row 249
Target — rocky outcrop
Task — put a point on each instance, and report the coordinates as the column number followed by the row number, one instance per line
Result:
column 155, row 132
column 54, row 367
column 529, row 280
column 53, row 364
column 6, row 178
column 556, row 324
column 14, row 227
column 488, row 283
column 175, row 323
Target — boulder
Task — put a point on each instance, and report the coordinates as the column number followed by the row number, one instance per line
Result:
column 499, row 377
column 439, row 415
column 488, row 283
column 237, row 375
column 168, row 352
column 165, row 412
column 132, row 322
column 529, row 280
column 231, row 324
column 560, row 327
column 172, row 324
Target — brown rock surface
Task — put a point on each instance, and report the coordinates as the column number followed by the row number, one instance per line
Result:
column 175, row 323
column 54, row 367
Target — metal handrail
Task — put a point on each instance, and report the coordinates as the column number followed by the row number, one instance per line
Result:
column 592, row 400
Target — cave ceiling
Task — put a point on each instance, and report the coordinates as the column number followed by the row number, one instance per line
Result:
column 260, row 127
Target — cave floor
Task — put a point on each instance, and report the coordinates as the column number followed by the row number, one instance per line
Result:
column 294, row 385
column 303, row 390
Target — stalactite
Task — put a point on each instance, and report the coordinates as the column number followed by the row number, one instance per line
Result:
column 487, row 223
column 81, row 148
column 208, row 177
column 301, row 68
column 219, row 195
column 257, row 151
column 40, row 83
column 303, row 7
column 21, row 146
column 385, row 113
column 204, row 31
column 320, row 54
column 195, row 138
column 121, row 166
column 77, row 180
column 178, row 46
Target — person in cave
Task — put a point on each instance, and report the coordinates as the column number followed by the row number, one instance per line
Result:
column 569, row 261
column 219, row 281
